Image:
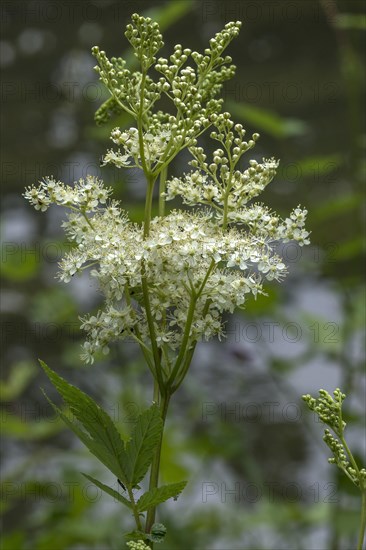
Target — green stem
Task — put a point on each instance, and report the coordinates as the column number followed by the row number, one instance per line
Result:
column 156, row 395
column 148, row 203
column 150, row 323
column 192, row 306
column 186, row 364
column 139, row 125
column 184, row 347
column 209, row 271
column 87, row 220
column 363, row 521
column 145, row 289
column 189, row 356
column 162, row 186
column 155, row 467
column 134, row 509
column 344, row 443
column 350, row 455
column 145, row 350
column 226, row 205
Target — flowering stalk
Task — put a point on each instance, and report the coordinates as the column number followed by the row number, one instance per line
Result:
column 329, row 411
column 168, row 282
column 155, row 466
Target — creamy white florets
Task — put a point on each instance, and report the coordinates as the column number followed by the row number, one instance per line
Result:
column 179, row 251
column 192, row 265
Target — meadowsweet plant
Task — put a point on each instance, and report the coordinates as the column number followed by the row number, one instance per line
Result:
column 329, row 410
column 168, row 281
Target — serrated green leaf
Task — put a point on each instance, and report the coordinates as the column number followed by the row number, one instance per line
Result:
column 159, row 494
column 100, row 434
column 142, row 445
column 109, row 491
column 94, row 446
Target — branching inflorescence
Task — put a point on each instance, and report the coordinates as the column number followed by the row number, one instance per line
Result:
column 196, row 264
column 329, row 410
column 168, row 281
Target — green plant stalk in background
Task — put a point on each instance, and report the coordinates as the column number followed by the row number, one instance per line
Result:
column 329, row 411
column 167, row 282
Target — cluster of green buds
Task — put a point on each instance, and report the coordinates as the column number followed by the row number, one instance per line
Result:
column 145, row 38
column 339, row 456
column 137, row 545
column 191, row 88
column 126, row 87
column 329, row 410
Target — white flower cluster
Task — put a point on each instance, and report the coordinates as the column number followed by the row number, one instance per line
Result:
column 154, row 144
column 186, row 256
column 198, row 187
column 168, row 282
column 85, row 196
column 107, row 326
column 224, row 187
column 260, row 219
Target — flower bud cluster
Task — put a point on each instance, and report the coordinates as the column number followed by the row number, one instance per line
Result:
column 192, row 90
column 125, row 87
column 145, row 38
column 228, row 188
column 223, row 38
column 211, row 81
column 339, row 455
column 220, row 183
column 137, row 545
column 328, row 408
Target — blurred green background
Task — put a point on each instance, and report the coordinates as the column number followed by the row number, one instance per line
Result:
column 255, row 460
